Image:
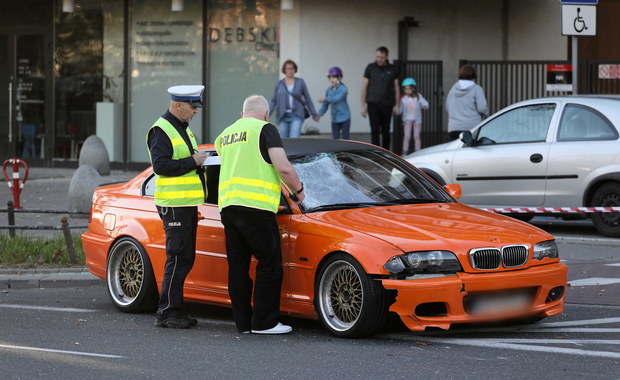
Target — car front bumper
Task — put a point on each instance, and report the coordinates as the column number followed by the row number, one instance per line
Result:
column 449, row 296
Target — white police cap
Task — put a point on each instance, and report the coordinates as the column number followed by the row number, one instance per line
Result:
column 187, row 93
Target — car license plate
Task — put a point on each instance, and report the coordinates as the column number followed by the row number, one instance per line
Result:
column 499, row 304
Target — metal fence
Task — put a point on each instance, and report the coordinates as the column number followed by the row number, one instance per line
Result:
column 507, row 82
column 429, row 78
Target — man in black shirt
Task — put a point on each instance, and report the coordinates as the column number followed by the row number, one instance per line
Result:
column 380, row 96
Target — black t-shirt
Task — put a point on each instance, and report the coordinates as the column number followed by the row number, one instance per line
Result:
column 381, row 83
column 269, row 138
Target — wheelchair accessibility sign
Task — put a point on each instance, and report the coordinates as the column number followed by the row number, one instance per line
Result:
column 578, row 20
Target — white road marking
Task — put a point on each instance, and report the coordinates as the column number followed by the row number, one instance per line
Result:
column 524, row 346
column 594, row 281
column 11, row 347
column 538, row 345
column 46, row 308
column 582, row 322
column 613, row 265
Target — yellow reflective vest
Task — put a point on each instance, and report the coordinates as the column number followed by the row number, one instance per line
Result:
column 183, row 190
column 246, row 179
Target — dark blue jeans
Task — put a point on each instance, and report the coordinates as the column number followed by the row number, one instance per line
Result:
column 343, row 127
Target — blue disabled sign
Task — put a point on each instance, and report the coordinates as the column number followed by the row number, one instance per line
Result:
column 589, row 2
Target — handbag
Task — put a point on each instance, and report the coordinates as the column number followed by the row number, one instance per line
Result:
column 300, row 100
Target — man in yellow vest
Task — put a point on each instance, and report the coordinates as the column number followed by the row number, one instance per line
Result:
column 253, row 165
column 179, row 189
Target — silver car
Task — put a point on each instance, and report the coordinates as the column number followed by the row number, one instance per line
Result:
column 546, row 152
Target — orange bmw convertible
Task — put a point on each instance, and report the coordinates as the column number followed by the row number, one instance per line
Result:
column 374, row 235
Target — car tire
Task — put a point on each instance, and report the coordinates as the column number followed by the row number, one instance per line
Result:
column 607, row 223
column 522, row 217
column 130, row 279
column 348, row 302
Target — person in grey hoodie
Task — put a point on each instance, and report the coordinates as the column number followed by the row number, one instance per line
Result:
column 466, row 104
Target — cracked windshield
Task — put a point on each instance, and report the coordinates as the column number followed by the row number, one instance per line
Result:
column 361, row 179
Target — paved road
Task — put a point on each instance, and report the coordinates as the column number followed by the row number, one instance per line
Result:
column 76, row 333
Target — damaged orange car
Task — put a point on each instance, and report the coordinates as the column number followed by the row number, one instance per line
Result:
column 374, row 235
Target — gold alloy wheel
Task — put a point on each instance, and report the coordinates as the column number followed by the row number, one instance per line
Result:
column 341, row 295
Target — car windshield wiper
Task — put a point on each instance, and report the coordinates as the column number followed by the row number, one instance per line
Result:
column 416, row 201
column 341, row 206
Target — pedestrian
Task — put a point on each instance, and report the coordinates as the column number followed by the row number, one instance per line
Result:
column 253, row 164
column 179, row 189
column 411, row 105
column 466, row 104
column 291, row 101
column 336, row 97
column 380, row 96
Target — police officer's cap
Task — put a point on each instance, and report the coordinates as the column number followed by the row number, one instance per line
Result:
column 187, row 93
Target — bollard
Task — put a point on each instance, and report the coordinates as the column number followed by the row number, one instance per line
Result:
column 11, row 215
column 13, row 181
column 67, row 233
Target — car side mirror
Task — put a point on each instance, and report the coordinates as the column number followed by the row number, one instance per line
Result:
column 466, row 138
column 454, row 189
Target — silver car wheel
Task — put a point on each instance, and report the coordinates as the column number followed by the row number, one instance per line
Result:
column 125, row 273
column 341, row 295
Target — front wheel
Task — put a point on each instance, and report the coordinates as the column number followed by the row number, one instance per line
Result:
column 130, row 278
column 348, row 302
column 607, row 223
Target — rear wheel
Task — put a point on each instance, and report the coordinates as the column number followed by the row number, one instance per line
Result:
column 348, row 302
column 130, row 278
column 607, row 223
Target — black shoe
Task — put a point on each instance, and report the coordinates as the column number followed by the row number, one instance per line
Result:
column 175, row 322
column 191, row 321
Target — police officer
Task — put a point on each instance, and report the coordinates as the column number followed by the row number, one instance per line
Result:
column 253, row 164
column 179, row 189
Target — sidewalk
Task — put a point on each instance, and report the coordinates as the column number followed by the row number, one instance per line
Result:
column 48, row 189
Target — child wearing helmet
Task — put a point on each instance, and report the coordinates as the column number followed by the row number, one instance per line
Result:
column 336, row 96
column 411, row 105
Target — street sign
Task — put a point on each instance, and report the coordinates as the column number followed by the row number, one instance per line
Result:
column 589, row 2
column 578, row 20
column 559, row 78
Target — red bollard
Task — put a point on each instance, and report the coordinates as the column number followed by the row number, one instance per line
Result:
column 14, row 184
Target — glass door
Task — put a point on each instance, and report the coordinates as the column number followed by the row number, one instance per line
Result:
column 22, row 96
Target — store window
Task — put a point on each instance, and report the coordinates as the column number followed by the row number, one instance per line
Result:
column 166, row 50
column 243, row 56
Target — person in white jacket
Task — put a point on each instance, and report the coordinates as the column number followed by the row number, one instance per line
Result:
column 466, row 104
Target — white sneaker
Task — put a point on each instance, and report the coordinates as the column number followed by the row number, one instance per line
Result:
column 278, row 329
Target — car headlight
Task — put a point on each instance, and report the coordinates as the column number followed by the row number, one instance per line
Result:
column 546, row 249
column 424, row 262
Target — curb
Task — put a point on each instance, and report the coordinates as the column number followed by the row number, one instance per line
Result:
column 48, row 278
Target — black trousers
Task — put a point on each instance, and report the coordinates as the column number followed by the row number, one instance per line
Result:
column 180, row 225
column 380, row 116
column 251, row 232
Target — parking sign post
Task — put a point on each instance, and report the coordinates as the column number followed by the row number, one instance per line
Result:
column 578, row 19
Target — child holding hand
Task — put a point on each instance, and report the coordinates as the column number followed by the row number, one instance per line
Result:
column 336, row 96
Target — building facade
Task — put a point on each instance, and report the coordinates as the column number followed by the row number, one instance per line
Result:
column 74, row 68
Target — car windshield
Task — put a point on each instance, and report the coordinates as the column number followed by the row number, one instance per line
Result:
column 363, row 178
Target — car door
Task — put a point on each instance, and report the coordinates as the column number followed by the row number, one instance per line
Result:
column 507, row 165
column 585, row 141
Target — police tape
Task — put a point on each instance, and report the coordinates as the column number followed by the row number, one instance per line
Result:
column 550, row 210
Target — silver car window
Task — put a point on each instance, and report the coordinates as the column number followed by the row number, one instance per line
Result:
column 524, row 124
column 581, row 123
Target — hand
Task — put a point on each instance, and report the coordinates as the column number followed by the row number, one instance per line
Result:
column 321, row 100
column 363, row 111
column 396, row 109
column 199, row 157
column 316, row 118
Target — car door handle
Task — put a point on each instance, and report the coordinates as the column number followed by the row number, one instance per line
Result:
column 536, row 158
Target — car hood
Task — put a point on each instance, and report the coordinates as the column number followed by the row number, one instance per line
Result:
column 453, row 226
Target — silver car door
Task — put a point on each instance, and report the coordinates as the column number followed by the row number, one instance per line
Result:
column 586, row 141
column 508, row 164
